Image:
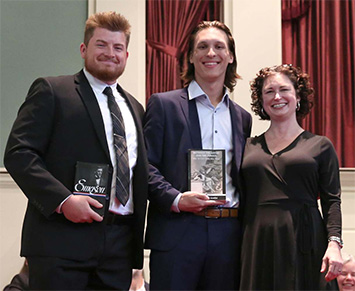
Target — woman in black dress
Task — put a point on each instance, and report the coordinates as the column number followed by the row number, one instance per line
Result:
column 287, row 243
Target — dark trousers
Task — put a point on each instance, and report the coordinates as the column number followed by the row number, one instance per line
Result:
column 109, row 268
column 206, row 258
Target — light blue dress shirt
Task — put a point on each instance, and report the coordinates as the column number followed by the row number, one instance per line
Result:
column 216, row 133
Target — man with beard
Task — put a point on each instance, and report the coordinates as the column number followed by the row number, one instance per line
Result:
column 70, row 119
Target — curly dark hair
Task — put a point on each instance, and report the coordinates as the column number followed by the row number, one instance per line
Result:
column 300, row 81
column 231, row 74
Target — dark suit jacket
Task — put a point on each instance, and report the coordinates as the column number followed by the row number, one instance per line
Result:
column 171, row 128
column 59, row 124
column 20, row 281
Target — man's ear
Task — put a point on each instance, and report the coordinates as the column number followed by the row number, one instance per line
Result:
column 83, row 50
column 231, row 59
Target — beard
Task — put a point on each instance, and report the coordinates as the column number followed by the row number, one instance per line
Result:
column 105, row 74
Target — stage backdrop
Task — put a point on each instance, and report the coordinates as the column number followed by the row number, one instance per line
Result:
column 319, row 37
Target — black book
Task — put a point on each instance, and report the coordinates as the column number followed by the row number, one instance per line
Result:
column 206, row 173
column 92, row 180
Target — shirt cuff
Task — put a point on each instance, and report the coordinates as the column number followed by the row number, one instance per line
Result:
column 59, row 208
column 175, row 205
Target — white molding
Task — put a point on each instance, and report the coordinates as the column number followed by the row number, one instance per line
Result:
column 91, row 7
column 228, row 13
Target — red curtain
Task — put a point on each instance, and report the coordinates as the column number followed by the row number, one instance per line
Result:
column 169, row 25
column 319, row 37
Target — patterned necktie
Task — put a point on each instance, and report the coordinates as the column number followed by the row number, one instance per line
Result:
column 119, row 136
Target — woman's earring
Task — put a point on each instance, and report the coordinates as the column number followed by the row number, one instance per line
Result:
column 298, row 106
column 263, row 114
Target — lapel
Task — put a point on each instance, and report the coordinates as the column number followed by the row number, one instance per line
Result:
column 88, row 97
column 131, row 107
column 189, row 110
column 140, row 170
column 237, row 131
column 135, row 114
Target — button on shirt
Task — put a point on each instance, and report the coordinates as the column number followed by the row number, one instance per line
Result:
column 131, row 138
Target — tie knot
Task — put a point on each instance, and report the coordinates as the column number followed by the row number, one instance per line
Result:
column 108, row 92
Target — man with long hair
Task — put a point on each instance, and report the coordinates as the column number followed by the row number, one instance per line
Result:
column 195, row 241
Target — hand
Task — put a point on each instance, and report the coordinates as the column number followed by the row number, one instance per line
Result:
column 195, row 202
column 77, row 209
column 332, row 257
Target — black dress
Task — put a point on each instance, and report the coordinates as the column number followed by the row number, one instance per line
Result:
column 285, row 236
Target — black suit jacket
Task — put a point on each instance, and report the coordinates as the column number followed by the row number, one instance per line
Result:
column 171, row 128
column 59, row 124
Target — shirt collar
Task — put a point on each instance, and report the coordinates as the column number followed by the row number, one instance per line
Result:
column 194, row 91
column 97, row 85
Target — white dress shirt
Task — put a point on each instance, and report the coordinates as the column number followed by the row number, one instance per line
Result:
column 131, row 138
